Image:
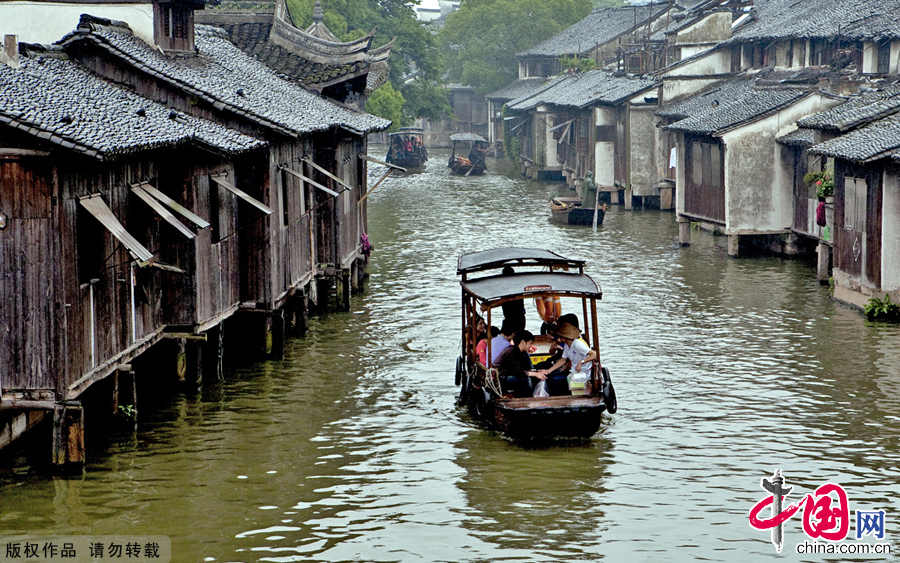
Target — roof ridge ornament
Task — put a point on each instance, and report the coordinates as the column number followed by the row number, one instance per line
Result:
column 317, row 12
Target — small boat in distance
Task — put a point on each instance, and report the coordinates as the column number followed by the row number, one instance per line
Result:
column 486, row 286
column 474, row 162
column 407, row 149
column 568, row 210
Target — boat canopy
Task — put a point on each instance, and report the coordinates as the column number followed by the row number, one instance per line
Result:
column 408, row 131
column 494, row 290
column 467, row 137
column 498, row 257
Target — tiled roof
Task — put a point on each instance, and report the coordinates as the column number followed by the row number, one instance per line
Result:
column 253, row 38
column 852, row 19
column 728, row 104
column 866, row 107
column 519, row 88
column 600, row 27
column 876, row 140
column 55, row 99
column 228, row 78
column 580, row 90
column 800, row 137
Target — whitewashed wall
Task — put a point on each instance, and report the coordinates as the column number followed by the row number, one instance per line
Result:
column 604, row 151
column 48, row 22
column 890, row 233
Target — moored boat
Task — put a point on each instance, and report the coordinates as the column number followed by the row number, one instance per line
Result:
column 543, row 275
column 569, row 211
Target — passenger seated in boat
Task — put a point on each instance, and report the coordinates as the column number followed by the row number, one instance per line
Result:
column 481, row 346
column 574, row 351
column 514, row 366
column 502, row 340
column 480, row 333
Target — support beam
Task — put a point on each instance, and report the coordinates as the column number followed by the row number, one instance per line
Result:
column 734, row 245
column 68, row 435
column 684, row 230
column 823, row 268
column 273, row 336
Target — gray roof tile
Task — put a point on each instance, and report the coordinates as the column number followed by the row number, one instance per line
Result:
column 600, row 27
column 800, row 137
column 864, row 108
column 580, row 90
column 55, row 99
column 876, row 140
column 518, row 89
column 853, row 19
column 727, row 105
column 227, row 77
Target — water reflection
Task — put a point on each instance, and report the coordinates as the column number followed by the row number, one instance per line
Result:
column 352, row 448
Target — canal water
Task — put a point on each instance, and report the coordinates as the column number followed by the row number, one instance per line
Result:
column 351, row 449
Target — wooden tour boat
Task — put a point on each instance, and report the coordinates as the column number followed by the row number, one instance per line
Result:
column 474, row 162
column 407, row 149
column 568, row 210
column 538, row 274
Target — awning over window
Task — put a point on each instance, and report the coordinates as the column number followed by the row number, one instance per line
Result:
column 96, row 207
column 300, row 176
column 327, row 173
column 197, row 220
column 162, row 211
column 241, row 194
column 381, row 162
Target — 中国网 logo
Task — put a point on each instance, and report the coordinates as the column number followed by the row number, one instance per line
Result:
column 826, row 516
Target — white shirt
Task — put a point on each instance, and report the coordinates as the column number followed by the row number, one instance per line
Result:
column 575, row 353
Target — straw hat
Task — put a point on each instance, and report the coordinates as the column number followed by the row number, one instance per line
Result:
column 567, row 330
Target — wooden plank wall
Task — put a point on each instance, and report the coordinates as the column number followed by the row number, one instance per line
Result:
column 27, row 269
column 94, row 254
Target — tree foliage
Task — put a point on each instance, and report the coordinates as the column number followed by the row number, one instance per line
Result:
column 415, row 52
column 388, row 103
column 479, row 42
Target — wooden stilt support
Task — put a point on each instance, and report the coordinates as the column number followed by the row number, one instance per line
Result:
column 734, row 245
column 684, row 230
column 181, row 359
column 194, row 361
column 273, row 347
column 343, row 284
column 126, row 392
column 323, row 293
column 302, row 308
column 823, row 267
column 68, row 435
column 628, row 199
column 355, row 286
column 214, row 353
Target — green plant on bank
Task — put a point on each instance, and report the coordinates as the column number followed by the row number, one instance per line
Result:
column 511, row 143
column 716, row 232
column 882, row 309
column 128, row 412
column 577, row 63
column 823, row 181
column 831, row 286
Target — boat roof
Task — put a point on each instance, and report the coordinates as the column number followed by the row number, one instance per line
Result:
column 408, row 130
column 467, row 137
column 496, row 289
column 499, row 257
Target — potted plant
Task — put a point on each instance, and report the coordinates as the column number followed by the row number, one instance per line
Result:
column 824, row 183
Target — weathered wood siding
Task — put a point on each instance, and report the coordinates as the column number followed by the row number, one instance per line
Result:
column 103, row 319
column 805, row 199
column 704, row 177
column 27, row 274
column 857, row 231
column 293, row 237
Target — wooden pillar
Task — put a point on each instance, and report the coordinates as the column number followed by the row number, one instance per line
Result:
column 628, row 199
column 273, row 347
column 343, row 290
column 181, row 359
column 213, row 352
column 823, row 269
column 684, row 230
column 124, row 397
column 355, row 285
column 68, row 435
column 614, row 197
column 734, row 245
column 323, row 292
column 302, row 312
column 194, row 363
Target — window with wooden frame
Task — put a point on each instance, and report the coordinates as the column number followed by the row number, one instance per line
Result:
column 855, row 195
column 174, row 25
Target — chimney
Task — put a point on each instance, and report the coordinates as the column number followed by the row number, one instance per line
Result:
column 10, row 53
